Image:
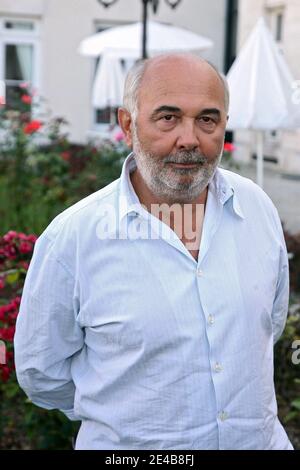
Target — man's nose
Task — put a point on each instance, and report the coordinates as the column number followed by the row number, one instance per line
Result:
column 187, row 137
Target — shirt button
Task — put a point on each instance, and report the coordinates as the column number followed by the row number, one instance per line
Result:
column 199, row 272
column 223, row 416
column 218, row 367
column 211, row 319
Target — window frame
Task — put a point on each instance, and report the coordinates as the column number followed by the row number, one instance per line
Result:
column 21, row 37
column 273, row 14
column 100, row 128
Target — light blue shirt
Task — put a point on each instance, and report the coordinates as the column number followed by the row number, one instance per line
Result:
column 148, row 347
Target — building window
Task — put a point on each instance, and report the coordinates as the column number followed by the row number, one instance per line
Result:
column 104, row 118
column 275, row 17
column 279, row 24
column 18, row 56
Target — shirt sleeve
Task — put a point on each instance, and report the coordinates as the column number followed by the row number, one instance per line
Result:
column 48, row 334
column 281, row 301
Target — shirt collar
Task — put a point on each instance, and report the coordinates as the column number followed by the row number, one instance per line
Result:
column 128, row 200
column 224, row 190
column 220, row 186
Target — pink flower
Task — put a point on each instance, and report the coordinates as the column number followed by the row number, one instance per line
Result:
column 2, row 284
column 32, row 238
column 22, row 236
column 9, row 236
column 25, row 247
column 24, row 85
column 229, row 147
column 119, row 136
column 10, row 252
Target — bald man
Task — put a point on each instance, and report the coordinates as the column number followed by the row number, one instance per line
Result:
column 151, row 307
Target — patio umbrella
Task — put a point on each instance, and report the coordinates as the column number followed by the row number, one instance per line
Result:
column 109, row 83
column 125, row 41
column 261, row 90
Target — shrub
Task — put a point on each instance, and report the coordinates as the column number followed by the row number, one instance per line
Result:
column 22, row 425
column 42, row 172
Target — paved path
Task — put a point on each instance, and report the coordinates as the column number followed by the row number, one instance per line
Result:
column 283, row 190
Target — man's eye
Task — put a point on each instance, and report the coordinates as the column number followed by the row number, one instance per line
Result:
column 207, row 120
column 168, row 118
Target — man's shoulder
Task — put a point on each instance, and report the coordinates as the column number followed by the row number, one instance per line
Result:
column 245, row 187
column 82, row 212
column 253, row 200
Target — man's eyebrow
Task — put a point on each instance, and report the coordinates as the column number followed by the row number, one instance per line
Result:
column 215, row 111
column 175, row 109
column 166, row 109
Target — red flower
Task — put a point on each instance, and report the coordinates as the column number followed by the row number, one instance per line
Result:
column 7, row 334
column 3, row 310
column 2, row 285
column 10, row 252
column 32, row 238
column 24, row 265
column 5, row 373
column 228, row 147
column 66, row 156
column 26, row 99
column 31, row 127
column 22, row 236
column 15, row 302
column 25, row 247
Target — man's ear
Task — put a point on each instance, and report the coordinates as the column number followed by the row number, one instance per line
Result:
column 125, row 122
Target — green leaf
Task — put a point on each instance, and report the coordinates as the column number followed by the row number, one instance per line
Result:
column 291, row 415
column 296, row 403
column 12, row 277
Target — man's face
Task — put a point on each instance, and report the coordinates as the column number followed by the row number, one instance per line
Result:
column 179, row 134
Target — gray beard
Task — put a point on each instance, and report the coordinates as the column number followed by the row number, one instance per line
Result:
column 165, row 182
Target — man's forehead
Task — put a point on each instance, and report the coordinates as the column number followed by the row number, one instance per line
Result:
column 174, row 66
column 175, row 76
column 180, row 91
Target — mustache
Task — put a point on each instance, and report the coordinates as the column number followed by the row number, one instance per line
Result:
column 186, row 158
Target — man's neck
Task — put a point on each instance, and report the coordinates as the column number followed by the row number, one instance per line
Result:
column 185, row 219
column 147, row 198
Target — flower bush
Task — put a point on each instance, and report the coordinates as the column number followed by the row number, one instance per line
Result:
column 42, row 172
column 22, row 424
column 15, row 253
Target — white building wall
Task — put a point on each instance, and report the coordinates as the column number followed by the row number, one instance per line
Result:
column 66, row 77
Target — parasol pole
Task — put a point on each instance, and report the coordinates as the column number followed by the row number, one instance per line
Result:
column 260, row 158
